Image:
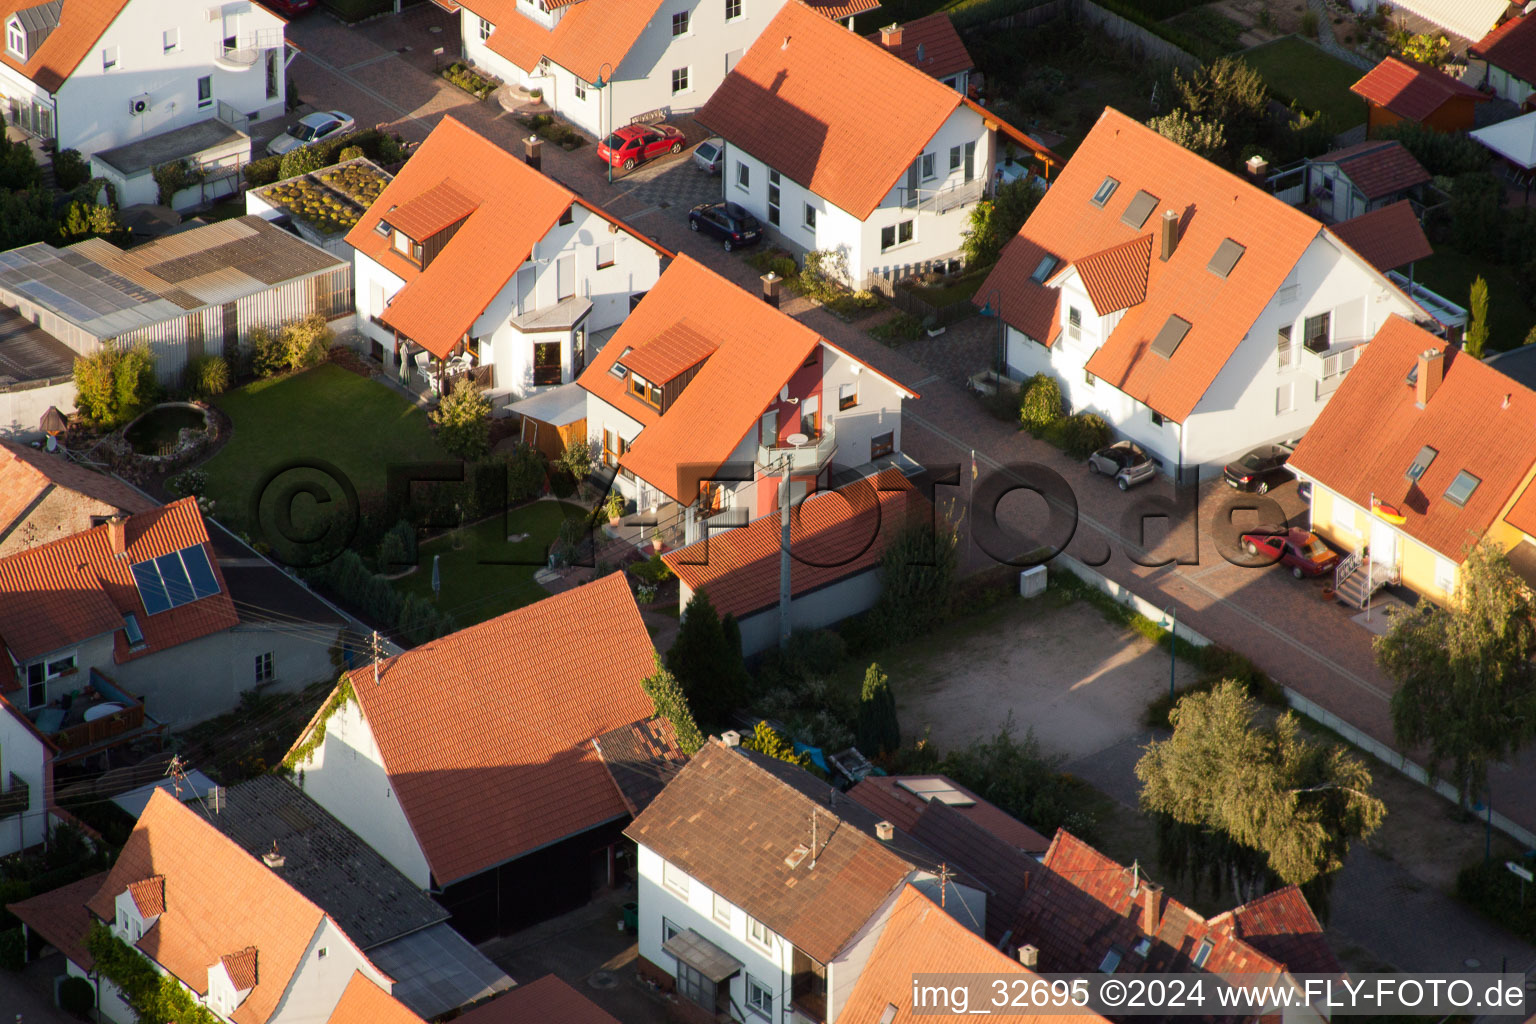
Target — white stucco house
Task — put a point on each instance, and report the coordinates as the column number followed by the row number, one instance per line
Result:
column 706, row 393
column 758, row 897
column 1508, row 57
column 650, row 55
column 1199, row 315
column 26, row 781
column 94, row 76
column 473, row 259
column 931, row 45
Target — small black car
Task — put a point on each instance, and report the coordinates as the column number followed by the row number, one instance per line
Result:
column 730, row 223
column 1260, row 469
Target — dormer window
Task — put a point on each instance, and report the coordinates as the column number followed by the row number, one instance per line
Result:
column 644, row 390
column 407, row 247
column 618, row 369
column 382, row 229
column 15, row 38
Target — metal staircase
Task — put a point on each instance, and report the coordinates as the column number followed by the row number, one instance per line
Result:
column 1356, row 579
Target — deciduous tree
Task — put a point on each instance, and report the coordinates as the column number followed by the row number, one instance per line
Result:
column 463, row 420
column 1195, row 133
column 670, row 702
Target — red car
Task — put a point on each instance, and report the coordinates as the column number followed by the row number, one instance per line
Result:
column 637, row 143
column 1303, row 552
column 290, row 8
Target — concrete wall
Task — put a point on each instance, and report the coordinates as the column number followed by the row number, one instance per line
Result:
column 24, row 755
column 346, row 776
column 22, row 408
column 1142, row 42
column 215, row 162
column 815, row 610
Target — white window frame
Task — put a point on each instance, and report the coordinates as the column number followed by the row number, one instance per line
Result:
column 674, row 878
column 808, row 217
column 732, row 5
column 956, row 158
column 721, row 911
column 759, row 998
column 201, row 102
column 685, row 73
column 608, row 249
column 930, row 163
column 486, row 28
column 758, row 934
column 16, row 37
column 109, row 55
column 581, row 90
column 743, row 176
column 1342, row 508
column 170, row 40
column 847, row 396
column 1445, row 574
column 266, row 667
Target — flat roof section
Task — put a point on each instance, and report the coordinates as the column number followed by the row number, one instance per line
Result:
column 140, row 155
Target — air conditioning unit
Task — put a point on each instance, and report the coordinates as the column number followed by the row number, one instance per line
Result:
column 138, row 104
column 1032, row 582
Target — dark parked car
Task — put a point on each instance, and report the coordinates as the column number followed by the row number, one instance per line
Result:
column 730, row 223
column 290, row 8
column 1303, row 553
column 1125, row 461
column 1260, row 469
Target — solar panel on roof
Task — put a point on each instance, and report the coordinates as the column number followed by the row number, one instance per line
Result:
column 204, row 583
column 1168, row 339
column 151, row 590
column 174, row 574
column 172, row 580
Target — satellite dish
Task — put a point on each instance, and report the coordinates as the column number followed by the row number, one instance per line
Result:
column 784, row 393
column 921, row 50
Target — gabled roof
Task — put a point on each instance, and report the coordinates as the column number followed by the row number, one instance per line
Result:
column 363, row 1002
column 897, row 803
column 1470, row 19
column 1386, row 238
column 148, row 895
column 728, row 820
column 588, row 35
column 1512, row 47
column 641, row 758
column 1212, row 204
column 833, row 536
column 1410, row 89
column 1281, row 925
column 919, row 938
column 1378, row 168
column 241, row 968
column 1371, row 431
column 800, row 101
column 1082, row 904
column 547, row 1000
column 75, row 588
column 506, row 210
column 60, row 917
column 508, row 708
column 81, row 23
column 1116, row 278
column 674, row 350
column 27, row 474
column 931, row 45
column 219, row 900
column 758, row 349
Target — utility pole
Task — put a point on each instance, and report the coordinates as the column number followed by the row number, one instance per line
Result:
column 376, row 649
column 784, row 588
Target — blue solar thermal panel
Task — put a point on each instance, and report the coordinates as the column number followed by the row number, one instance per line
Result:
column 204, row 583
column 151, row 590
column 177, row 587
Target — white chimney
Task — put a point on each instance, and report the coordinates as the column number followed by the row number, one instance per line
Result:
column 885, row 831
column 272, row 858
column 1029, row 956
column 731, row 738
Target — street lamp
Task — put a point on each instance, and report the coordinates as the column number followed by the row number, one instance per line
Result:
column 1170, row 622
column 992, row 306
column 600, row 85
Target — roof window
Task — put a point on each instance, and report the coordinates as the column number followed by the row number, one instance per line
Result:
column 132, row 631
column 382, row 228
column 1168, row 339
column 1227, row 255
column 1461, row 488
column 1421, row 463
column 1111, row 960
column 618, row 369
column 1046, row 268
column 1140, row 208
column 1106, row 190
column 1203, row 953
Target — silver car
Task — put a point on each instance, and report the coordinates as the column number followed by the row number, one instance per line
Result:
column 316, row 127
column 710, row 155
column 1125, row 461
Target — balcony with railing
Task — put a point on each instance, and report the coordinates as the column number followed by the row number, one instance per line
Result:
column 1328, row 364
column 16, row 798
column 97, row 714
column 809, row 456
column 1443, row 310
column 943, row 199
column 238, row 53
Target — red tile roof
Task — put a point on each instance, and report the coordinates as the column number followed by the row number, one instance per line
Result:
column 842, row 9
column 590, row 34
column 1116, row 278
column 81, row 23
column 1411, row 90
column 148, row 895
column 833, row 536
column 217, row 896
column 1386, row 238
column 1281, row 925
column 1212, row 204
column 1371, row 431
column 731, row 823
column 758, row 350
column 920, row 938
column 547, row 1000
column 363, row 1002
column 884, row 795
column 60, row 917
column 517, row 208
column 1083, row 903
column 1512, row 47
column 674, row 350
column 241, row 968
column 27, row 474
column 804, row 109
column 640, row 757
column 509, row 707
column 935, row 38
column 73, row 589
column 1378, row 168
column 1522, row 515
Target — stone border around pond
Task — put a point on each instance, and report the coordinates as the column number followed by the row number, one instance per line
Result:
column 189, row 441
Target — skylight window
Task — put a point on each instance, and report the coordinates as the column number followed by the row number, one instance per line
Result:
column 172, row 580
column 618, row 368
column 1226, row 257
column 1421, row 463
column 1111, row 960
column 1046, row 268
column 1106, row 190
column 1143, row 946
column 1168, row 339
column 1461, row 488
column 132, row 631
column 1139, row 209
column 1203, row 953
column 382, row 228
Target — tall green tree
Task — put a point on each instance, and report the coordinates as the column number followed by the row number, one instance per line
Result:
column 463, row 420
column 765, row 739
column 1200, row 135
column 1476, row 338
column 1248, row 806
column 669, row 701
column 917, row 581
column 1466, row 686
column 878, row 731
column 711, row 673
column 1228, row 94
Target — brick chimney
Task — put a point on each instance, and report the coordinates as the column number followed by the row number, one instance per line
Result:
column 1151, row 907
column 890, row 37
column 1258, row 168
column 1431, row 371
column 1029, row 956
column 885, row 831
column 117, row 534
column 1170, row 234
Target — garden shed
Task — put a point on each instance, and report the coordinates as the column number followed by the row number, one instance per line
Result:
column 552, row 418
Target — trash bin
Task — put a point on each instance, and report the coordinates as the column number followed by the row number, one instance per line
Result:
column 632, row 917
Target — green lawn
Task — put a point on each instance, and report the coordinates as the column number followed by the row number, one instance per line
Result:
column 1450, row 272
column 1214, row 33
column 327, row 414
column 474, row 588
column 1299, row 70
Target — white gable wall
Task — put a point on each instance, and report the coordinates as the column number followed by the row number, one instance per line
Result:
column 22, row 754
column 319, row 981
column 346, row 776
